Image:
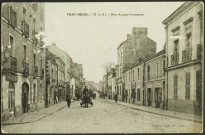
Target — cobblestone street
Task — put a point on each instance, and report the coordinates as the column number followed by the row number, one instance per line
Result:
column 104, row 117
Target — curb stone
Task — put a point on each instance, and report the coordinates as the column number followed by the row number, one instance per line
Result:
column 36, row 119
column 198, row 121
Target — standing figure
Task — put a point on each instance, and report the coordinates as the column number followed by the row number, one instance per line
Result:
column 86, row 100
column 68, row 99
column 85, row 91
column 116, row 97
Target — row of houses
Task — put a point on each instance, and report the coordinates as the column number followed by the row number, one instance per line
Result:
column 33, row 75
column 169, row 79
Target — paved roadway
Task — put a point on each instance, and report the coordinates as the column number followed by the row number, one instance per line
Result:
column 104, row 117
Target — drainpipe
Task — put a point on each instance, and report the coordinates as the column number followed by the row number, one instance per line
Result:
column 166, row 101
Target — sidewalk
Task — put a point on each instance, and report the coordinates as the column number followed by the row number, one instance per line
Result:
column 36, row 115
column 159, row 111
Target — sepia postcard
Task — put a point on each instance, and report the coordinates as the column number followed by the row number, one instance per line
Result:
column 102, row 67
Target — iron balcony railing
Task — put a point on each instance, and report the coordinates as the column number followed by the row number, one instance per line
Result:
column 10, row 65
column 174, row 59
column 12, row 17
column 187, row 55
column 25, row 29
column 25, row 69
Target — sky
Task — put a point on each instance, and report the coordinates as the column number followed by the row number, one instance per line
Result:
column 93, row 40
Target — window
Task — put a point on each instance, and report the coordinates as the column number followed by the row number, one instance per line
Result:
column 34, row 93
column 175, row 86
column 24, row 52
column 11, row 100
column 148, row 72
column 11, row 43
column 129, row 76
column 163, row 67
column 133, row 75
column 138, row 94
column 187, row 86
column 176, row 46
column 188, row 40
column 34, row 59
column 138, row 70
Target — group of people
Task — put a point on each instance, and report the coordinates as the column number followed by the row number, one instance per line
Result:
column 86, row 97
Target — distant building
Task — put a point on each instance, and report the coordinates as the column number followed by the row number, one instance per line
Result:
column 184, row 46
column 51, row 78
column 137, row 46
column 22, row 58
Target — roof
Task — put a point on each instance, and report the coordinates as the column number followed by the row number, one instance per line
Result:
column 155, row 55
column 179, row 10
column 122, row 44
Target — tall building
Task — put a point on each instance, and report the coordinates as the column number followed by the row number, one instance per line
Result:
column 137, row 46
column 184, row 51
column 22, row 58
column 68, row 65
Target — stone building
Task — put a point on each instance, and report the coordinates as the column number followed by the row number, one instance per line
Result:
column 137, row 84
column 111, row 84
column 51, row 90
column 136, row 46
column 155, row 94
column 68, row 65
column 22, row 80
column 61, row 79
column 184, row 51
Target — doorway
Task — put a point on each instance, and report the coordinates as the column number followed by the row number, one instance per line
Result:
column 25, row 93
column 157, row 97
column 149, row 96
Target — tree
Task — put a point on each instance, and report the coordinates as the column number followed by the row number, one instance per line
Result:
column 108, row 66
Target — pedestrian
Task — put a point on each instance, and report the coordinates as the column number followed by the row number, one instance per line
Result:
column 85, row 91
column 116, row 97
column 56, row 99
column 86, row 100
column 68, row 99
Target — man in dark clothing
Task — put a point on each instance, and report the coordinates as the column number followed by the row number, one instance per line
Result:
column 68, row 99
column 116, row 97
column 86, row 100
column 85, row 91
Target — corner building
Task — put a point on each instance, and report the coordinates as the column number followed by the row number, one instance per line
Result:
column 22, row 83
column 185, row 57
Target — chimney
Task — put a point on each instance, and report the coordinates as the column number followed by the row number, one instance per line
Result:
column 139, row 31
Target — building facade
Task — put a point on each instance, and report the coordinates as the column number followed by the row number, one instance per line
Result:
column 185, row 58
column 22, row 75
column 137, row 46
column 155, row 93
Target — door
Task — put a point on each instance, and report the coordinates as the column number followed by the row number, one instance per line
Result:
column 149, row 92
column 25, row 90
column 157, row 97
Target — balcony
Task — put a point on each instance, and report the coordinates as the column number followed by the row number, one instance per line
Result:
column 25, row 69
column 25, row 29
column 35, row 71
column 174, row 59
column 10, row 65
column 187, row 55
column 199, row 50
column 12, row 18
